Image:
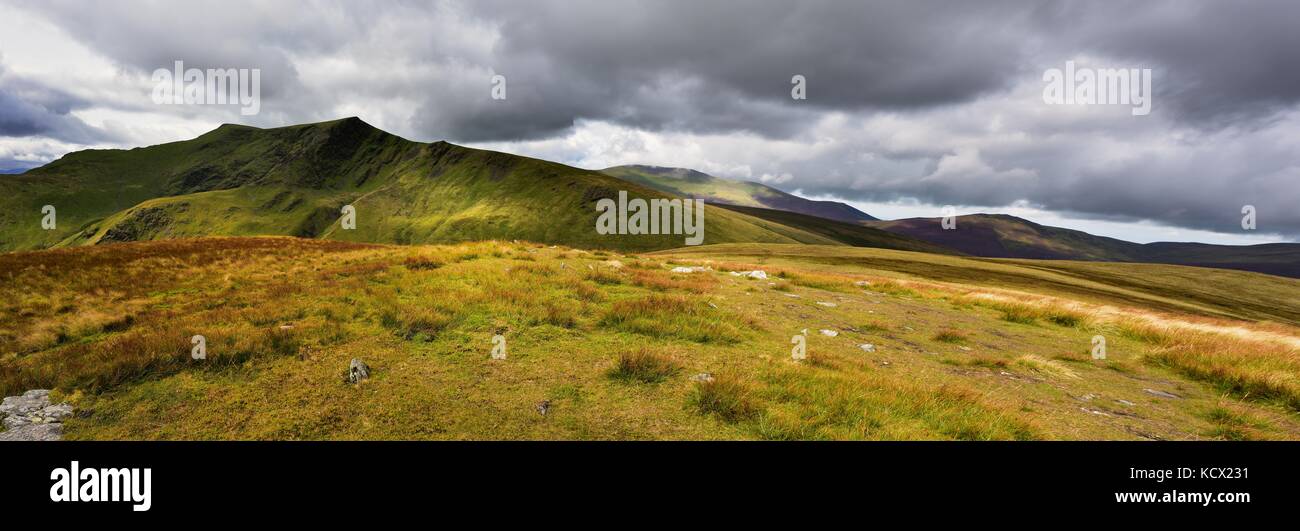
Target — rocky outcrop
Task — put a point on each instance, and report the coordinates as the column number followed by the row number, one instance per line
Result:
column 31, row 417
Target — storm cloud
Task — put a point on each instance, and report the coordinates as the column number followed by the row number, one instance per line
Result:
column 934, row 101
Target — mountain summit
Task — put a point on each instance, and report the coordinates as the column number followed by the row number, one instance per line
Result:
column 241, row 180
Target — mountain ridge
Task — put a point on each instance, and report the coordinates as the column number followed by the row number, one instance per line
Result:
column 687, row 182
column 1006, row 236
column 242, row 180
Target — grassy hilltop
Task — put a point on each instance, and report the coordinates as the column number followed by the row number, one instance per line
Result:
column 615, row 341
column 293, row 181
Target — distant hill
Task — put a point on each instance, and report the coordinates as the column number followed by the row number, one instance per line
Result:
column 239, row 181
column 853, row 234
column 1003, row 236
column 690, row 183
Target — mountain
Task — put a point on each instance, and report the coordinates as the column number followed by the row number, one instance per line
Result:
column 853, row 234
column 690, row 183
column 239, row 180
column 1003, row 236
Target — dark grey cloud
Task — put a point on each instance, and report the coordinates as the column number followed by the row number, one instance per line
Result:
column 718, row 67
column 29, row 108
column 933, row 100
column 1220, row 64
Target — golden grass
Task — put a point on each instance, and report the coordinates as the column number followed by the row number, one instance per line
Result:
column 644, row 365
column 673, row 316
column 284, row 316
column 725, row 397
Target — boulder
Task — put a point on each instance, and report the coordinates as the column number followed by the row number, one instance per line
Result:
column 357, row 371
column 31, row 417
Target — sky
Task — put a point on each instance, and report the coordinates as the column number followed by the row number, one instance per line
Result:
column 909, row 105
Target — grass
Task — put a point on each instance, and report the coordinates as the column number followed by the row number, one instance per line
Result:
column 950, row 336
column 673, row 316
column 644, row 366
column 1249, row 371
column 725, row 397
column 110, row 327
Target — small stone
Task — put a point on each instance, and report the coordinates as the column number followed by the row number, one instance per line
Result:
column 867, row 347
column 1125, row 402
column 694, row 269
column 967, row 349
column 861, row 283
column 829, row 333
column 286, row 327
column 827, row 304
column 703, row 377
column 1161, row 394
column 757, row 274
column 791, row 295
column 357, row 371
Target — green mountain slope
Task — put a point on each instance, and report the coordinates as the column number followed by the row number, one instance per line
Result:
column 239, row 180
column 690, row 183
column 1002, row 236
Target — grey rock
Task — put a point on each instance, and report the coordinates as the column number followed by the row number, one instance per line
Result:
column 30, row 417
column 868, row 347
column 34, row 432
column 703, row 377
column 56, row 412
column 37, row 394
column 1161, row 394
column 14, row 421
column 357, row 371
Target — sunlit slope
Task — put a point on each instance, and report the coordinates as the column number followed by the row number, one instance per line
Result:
column 1201, row 291
column 615, row 346
column 237, row 181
